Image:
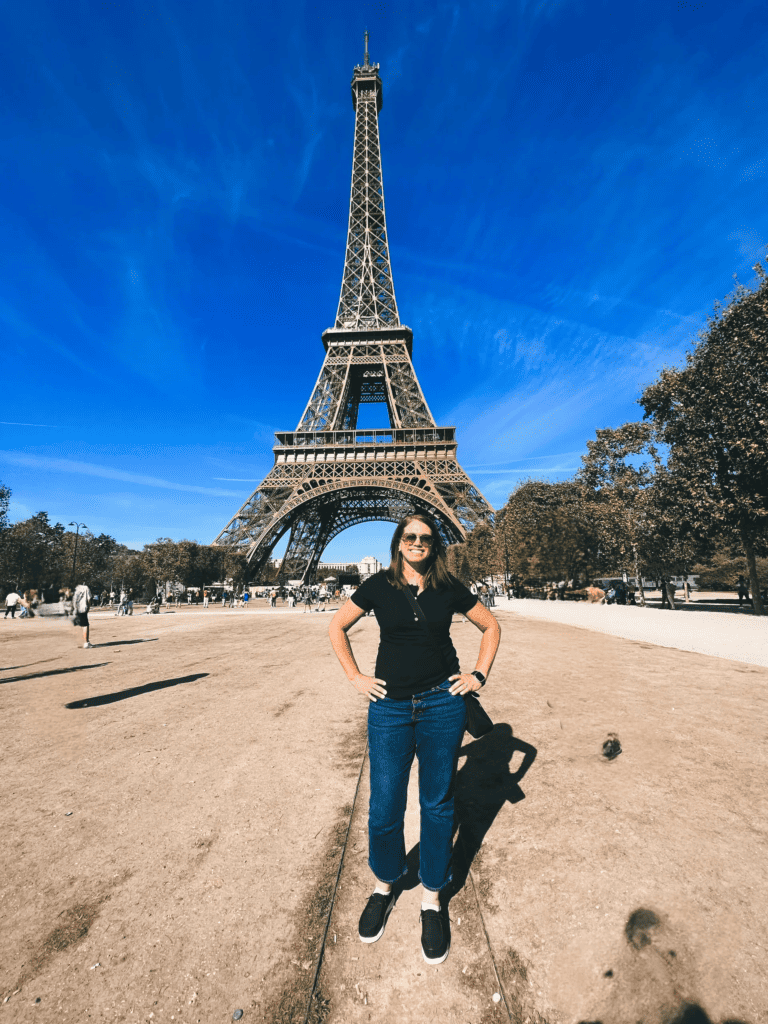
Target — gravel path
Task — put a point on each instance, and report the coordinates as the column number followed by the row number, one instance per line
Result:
column 690, row 628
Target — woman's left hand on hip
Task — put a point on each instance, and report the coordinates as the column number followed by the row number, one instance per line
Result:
column 465, row 683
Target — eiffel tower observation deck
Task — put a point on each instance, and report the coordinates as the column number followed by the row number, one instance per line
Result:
column 328, row 475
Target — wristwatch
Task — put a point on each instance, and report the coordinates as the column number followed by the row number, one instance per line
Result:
column 479, row 677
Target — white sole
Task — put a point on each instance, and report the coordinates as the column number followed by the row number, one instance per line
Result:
column 376, row 938
column 439, row 960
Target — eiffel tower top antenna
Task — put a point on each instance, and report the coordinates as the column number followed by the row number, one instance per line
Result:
column 367, row 300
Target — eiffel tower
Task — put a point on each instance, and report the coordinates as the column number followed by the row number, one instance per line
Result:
column 328, row 475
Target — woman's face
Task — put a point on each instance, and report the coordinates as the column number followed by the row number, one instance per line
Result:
column 416, row 543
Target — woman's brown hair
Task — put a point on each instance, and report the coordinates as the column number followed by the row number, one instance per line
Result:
column 437, row 576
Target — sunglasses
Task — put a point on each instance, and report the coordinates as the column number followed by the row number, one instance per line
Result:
column 425, row 538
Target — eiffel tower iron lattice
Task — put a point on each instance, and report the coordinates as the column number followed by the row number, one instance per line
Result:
column 328, row 475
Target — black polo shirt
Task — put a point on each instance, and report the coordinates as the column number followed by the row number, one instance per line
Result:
column 407, row 660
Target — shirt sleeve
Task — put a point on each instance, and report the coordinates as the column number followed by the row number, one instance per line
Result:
column 463, row 598
column 363, row 596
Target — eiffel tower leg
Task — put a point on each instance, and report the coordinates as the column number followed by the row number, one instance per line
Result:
column 305, row 546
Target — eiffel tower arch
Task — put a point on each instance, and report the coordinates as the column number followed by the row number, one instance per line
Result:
column 328, row 475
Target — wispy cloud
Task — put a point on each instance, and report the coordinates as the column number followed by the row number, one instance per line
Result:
column 531, row 470
column 92, row 469
column 501, row 466
column 11, row 423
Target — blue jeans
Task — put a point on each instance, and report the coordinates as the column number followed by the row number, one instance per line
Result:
column 431, row 726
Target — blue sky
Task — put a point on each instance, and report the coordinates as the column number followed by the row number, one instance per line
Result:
column 569, row 187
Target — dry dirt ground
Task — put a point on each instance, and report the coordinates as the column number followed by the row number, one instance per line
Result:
column 180, row 802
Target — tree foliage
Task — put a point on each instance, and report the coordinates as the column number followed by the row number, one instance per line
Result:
column 713, row 414
column 5, row 500
column 546, row 530
column 458, row 563
column 40, row 555
column 482, row 552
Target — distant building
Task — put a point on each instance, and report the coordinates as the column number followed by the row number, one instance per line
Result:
column 368, row 566
column 322, row 566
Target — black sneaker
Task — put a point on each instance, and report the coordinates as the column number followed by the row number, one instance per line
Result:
column 435, row 935
column 373, row 919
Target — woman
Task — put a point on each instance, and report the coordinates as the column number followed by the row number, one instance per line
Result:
column 413, row 709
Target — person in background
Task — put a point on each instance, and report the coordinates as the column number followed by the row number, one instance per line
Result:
column 12, row 602
column 82, row 602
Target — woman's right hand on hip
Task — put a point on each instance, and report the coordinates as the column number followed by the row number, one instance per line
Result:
column 370, row 687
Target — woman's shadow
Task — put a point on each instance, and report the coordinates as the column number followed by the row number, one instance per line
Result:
column 485, row 782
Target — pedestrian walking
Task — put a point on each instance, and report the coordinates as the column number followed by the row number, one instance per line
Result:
column 205, row 599
column 246, row 599
column 307, row 600
column 413, row 709
column 742, row 588
column 82, row 602
column 12, row 602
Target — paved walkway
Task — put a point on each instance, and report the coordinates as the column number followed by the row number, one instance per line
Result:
column 690, row 628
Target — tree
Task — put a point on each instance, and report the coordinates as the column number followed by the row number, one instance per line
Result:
column 5, row 501
column 546, row 530
column 95, row 556
column 621, row 495
column 234, row 566
column 458, row 563
column 129, row 569
column 33, row 553
column 481, row 552
column 713, row 414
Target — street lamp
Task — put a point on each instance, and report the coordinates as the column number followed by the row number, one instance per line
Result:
column 74, row 559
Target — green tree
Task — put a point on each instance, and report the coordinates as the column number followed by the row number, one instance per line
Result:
column 5, row 501
column 207, row 565
column 713, row 414
column 234, row 567
column 619, row 489
column 481, row 551
column 128, row 569
column 94, row 558
column 164, row 561
column 546, row 530
column 458, row 563
column 34, row 554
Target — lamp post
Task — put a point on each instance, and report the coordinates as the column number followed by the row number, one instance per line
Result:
column 74, row 559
